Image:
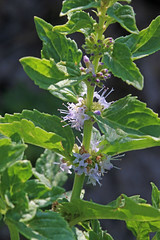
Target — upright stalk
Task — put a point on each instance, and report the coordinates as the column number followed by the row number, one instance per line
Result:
column 88, row 124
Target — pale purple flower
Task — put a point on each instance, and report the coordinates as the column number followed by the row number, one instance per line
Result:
column 80, row 160
column 64, row 166
column 94, row 176
column 81, row 168
column 86, row 59
column 75, row 114
column 79, row 157
column 102, row 99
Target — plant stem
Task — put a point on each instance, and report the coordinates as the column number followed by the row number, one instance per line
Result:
column 88, row 124
column 77, row 186
column 14, row 234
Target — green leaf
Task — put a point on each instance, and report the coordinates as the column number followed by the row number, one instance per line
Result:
column 155, row 196
column 56, row 45
column 42, row 195
column 67, row 90
column 128, row 125
column 48, row 172
column 144, row 43
column 60, row 79
column 124, row 15
column 75, row 5
column 10, row 153
column 39, row 129
column 44, row 226
column 122, row 66
column 13, row 181
column 141, row 230
column 77, row 22
column 123, row 208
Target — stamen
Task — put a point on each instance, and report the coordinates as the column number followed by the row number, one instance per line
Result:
column 109, row 92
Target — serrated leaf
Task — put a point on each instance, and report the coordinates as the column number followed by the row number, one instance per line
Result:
column 39, row 129
column 75, row 5
column 13, row 181
column 124, row 15
column 56, row 45
column 140, row 230
column 40, row 194
column 144, row 43
column 60, row 79
column 10, row 153
column 128, row 125
column 122, row 66
column 46, row 167
column 44, row 226
column 78, row 21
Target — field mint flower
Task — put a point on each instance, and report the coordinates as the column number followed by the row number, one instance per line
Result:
column 80, row 160
column 75, row 114
column 102, row 98
column 64, row 166
column 94, row 176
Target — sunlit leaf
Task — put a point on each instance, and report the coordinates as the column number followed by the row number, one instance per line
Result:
column 75, row 5
column 78, row 21
column 144, row 43
column 128, row 125
column 122, row 66
column 39, row 129
column 124, row 15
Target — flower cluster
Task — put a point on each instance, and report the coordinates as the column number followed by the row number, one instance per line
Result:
column 95, row 79
column 94, row 167
column 75, row 114
column 98, row 47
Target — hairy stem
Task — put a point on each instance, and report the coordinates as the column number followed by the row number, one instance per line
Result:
column 77, row 186
column 88, row 124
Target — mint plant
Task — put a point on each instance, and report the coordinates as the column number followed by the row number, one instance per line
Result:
column 33, row 201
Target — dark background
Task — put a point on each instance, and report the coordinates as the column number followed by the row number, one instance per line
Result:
column 18, row 38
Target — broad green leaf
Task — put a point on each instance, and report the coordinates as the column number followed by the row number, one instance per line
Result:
column 123, row 208
column 39, row 129
column 155, row 196
column 56, row 45
column 128, row 125
column 78, row 21
column 122, row 66
column 144, row 43
column 49, row 172
column 124, row 15
column 75, row 5
column 44, row 226
column 141, row 230
column 60, row 79
column 66, row 90
column 13, row 181
column 46, row 72
column 10, row 152
column 40, row 194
